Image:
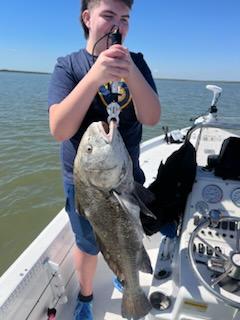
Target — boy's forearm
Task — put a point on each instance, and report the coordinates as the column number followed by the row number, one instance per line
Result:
column 66, row 117
column 146, row 101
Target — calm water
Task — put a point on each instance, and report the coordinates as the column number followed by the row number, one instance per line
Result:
column 30, row 181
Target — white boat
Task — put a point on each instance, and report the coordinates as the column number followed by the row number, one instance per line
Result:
column 196, row 272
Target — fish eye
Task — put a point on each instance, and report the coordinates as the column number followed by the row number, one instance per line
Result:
column 89, row 148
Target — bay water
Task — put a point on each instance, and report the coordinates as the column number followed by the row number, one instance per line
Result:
column 30, row 177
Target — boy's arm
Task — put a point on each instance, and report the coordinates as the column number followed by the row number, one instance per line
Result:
column 66, row 116
column 146, row 101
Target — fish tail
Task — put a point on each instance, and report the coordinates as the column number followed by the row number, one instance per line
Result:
column 145, row 263
column 135, row 306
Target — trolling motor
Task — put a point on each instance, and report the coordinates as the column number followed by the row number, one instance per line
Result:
column 113, row 108
column 212, row 112
column 216, row 95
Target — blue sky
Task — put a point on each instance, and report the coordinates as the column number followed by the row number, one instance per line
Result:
column 186, row 39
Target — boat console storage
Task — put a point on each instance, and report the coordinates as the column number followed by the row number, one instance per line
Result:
column 197, row 274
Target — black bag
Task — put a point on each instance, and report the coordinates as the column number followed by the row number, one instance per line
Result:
column 171, row 188
column 227, row 164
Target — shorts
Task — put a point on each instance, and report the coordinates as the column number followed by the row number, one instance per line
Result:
column 84, row 235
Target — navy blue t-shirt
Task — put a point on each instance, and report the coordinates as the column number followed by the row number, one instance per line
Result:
column 68, row 72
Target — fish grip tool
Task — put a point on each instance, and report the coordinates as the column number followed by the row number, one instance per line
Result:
column 113, row 109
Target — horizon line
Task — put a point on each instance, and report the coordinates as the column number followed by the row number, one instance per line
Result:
column 155, row 78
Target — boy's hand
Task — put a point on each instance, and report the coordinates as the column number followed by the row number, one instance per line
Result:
column 112, row 64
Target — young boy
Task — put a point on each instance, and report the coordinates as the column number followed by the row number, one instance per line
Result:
column 78, row 95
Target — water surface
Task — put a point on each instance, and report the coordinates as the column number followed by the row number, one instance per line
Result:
column 30, row 179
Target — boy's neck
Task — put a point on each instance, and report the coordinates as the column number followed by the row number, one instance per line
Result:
column 97, row 50
column 89, row 48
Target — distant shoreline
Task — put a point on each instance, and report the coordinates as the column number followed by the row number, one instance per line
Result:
column 23, row 71
column 175, row 79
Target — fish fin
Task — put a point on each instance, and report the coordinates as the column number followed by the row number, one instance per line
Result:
column 145, row 263
column 132, row 203
column 135, row 306
column 79, row 209
column 143, row 196
column 128, row 203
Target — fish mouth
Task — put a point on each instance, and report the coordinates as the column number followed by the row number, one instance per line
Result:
column 102, row 169
column 107, row 130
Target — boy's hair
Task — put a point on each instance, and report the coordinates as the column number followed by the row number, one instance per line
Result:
column 86, row 4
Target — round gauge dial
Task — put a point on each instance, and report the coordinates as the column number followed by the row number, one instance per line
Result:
column 235, row 196
column 236, row 259
column 201, row 207
column 212, row 193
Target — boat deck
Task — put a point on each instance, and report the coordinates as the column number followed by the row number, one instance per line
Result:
column 28, row 288
column 107, row 299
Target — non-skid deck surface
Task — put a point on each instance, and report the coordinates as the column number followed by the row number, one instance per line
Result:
column 107, row 299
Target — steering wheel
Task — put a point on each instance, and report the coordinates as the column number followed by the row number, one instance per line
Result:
column 224, row 264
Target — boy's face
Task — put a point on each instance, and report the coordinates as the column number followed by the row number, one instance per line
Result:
column 102, row 17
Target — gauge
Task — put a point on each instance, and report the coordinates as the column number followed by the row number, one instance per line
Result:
column 212, row 193
column 201, row 207
column 235, row 196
